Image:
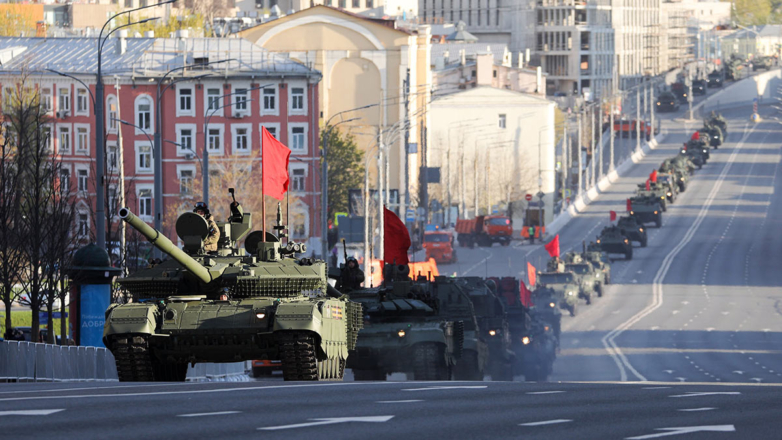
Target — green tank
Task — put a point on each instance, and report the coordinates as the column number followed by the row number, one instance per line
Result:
column 565, row 287
column 612, row 241
column 646, row 210
column 404, row 332
column 655, row 190
column 633, row 230
column 260, row 302
column 599, row 259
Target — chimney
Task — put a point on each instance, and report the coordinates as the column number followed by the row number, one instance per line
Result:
column 526, row 57
column 122, row 41
column 149, row 34
column 447, row 56
column 521, row 60
column 463, row 57
column 539, row 81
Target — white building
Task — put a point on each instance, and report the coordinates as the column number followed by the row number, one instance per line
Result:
column 492, row 146
column 753, row 42
column 369, row 8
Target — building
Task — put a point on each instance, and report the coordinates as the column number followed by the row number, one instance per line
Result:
column 492, row 146
column 753, row 42
column 372, row 71
column 687, row 27
column 222, row 108
column 370, row 8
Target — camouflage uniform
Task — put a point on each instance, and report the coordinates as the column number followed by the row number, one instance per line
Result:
column 210, row 243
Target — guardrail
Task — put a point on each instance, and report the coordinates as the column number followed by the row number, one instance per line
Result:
column 33, row 362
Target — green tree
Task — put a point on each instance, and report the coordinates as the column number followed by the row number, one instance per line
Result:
column 751, row 12
column 346, row 168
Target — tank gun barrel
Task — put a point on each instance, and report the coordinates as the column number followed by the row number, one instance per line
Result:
column 161, row 242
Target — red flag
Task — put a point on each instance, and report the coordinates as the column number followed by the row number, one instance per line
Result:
column 629, row 205
column 531, row 275
column 396, row 239
column 274, row 164
column 525, row 295
column 553, row 246
column 613, row 215
column 696, row 136
column 648, row 185
column 653, row 176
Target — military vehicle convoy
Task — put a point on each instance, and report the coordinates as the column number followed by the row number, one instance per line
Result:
column 612, row 241
column 260, row 302
column 633, row 230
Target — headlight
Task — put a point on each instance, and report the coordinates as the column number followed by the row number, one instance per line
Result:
column 669, row 193
column 525, row 340
column 546, row 328
column 641, row 229
column 662, row 197
column 631, row 213
column 492, row 332
column 704, row 151
column 260, row 315
column 598, row 241
column 570, row 293
column 681, row 178
column 655, row 212
column 401, row 333
column 552, row 305
column 658, row 103
column 625, row 241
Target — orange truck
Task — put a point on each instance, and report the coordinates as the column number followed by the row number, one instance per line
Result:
column 439, row 245
column 484, row 230
column 265, row 367
column 627, row 129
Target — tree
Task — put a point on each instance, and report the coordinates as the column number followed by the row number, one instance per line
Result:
column 346, row 168
column 751, row 12
column 16, row 20
column 11, row 257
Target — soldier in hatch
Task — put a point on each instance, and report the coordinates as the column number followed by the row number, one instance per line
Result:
column 210, row 243
column 351, row 277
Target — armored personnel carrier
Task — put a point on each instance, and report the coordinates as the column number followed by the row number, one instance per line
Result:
column 696, row 151
column 633, row 230
column 654, row 191
column 589, row 279
column 565, row 287
column 403, row 331
column 679, row 171
column 646, row 210
column 668, row 181
column 715, row 118
column 714, row 131
column 599, row 259
column 260, row 302
column 612, row 241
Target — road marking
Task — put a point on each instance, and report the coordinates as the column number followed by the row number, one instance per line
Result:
column 609, row 340
column 708, row 408
column 707, row 393
column 756, row 379
column 656, row 388
column 331, row 421
column 738, row 372
column 681, row 379
column 546, row 422
column 545, row 392
column 490, row 254
column 218, row 413
column 668, row 371
column 476, row 387
column 685, row 430
column 31, row 412
column 399, row 401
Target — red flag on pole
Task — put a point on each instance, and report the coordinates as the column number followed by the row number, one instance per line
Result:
column 274, row 164
column 613, row 215
column 653, row 176
column 525, row 295
column 396, row 239
column 553, row 246
column 696, row 136
column 531, row 275
column 629, row 205
column 648, row 185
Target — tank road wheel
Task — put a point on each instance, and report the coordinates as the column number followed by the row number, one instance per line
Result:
column 429, row 362
column 133, row 358
column 369, row 375
column 467, row 367
column 299, row 359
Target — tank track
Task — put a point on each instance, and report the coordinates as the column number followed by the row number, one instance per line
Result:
column 134, row 360
column 429, row 363
column 300, row 362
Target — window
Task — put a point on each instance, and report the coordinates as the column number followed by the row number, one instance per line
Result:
column 298, row 179
column 145, row 203
column 297, row 140
column 240, row 101
column 64, row 99
column 82, row 106
column 46, row 132
column 84, row 225
column 342, row 3
column 64, row 139
column 241, row 140
column 143, row 114
column 213, row 100
column 82, row 139
column 356, row 3
column 112, row 115
column 46, row 99
column 185, row 101
column 215, row 140
column 186, row 182
column 185, row 139
column 113, row 158
column 370, row 4
column 144, row 154
column 65, row 179
column 297, row 98
column 272, row 129
column 502, row 121
column 81, row 176
column 270, row 100
column 300, row 220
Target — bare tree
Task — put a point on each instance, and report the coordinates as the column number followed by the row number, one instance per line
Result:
column 11, row 256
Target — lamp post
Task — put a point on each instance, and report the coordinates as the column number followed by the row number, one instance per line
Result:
column 100, row 121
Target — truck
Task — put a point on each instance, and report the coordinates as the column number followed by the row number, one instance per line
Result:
column 629, row 129
column 484, row 230
column 439, row 245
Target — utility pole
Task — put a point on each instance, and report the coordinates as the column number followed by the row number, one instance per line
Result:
column 613, row 135
column 600, row 144
column 462, row 185
column 638, row 117
column 448, row 185
column 689, row 93
column 475, row 178
column 592, row 146
column 651, row 100
column 382, row 158
column 580, row 137
column 565, row 159
column 404, row 203
column 121, row 183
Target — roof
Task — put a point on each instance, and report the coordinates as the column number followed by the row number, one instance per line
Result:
column 490, row 95
column 142, row 56
column 460, row 34
column 768, row 30
column 470, row 50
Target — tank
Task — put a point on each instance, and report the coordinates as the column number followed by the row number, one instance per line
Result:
column 260, row 302
column 612, row 241
column 645, row 209
column 404, row 332
column 564, row 287
column 599, row 259
column 633, row 230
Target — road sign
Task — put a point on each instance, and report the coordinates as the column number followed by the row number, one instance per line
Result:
column 528, row 197
column 540, row 194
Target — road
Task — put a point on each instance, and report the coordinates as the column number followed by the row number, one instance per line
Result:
column 389, row 410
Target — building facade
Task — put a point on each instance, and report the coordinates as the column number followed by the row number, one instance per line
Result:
column 752, row 42
column 219, row 110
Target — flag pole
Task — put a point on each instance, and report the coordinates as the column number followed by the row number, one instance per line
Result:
column 263, row 195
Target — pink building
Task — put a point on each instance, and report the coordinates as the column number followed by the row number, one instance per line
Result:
column 222, row 105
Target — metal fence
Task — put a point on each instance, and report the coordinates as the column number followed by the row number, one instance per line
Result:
column 33, row 362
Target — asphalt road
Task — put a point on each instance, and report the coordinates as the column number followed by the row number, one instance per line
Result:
column 390, row 410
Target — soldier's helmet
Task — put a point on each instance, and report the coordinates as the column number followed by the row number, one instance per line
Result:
column 201, row 206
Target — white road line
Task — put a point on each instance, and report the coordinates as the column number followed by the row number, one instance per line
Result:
column 30, row 412
column 707, row 393
column 545, row 392
column 657, row 287
column 477, row 387
column 696, row 409
column 656, row 388
column 490, row 254
column 546, row 422
column 58, row 390
column 218, row 413
column 399, row 401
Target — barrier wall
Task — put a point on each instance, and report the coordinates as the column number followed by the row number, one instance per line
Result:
column 32, row 362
